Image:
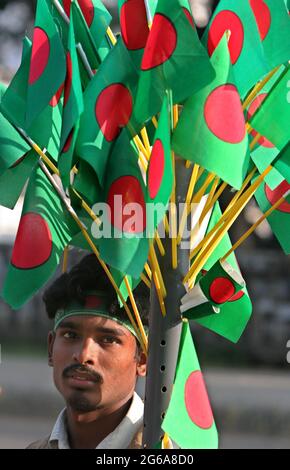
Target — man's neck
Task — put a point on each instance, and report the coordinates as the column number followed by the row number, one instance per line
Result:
column 87, row 430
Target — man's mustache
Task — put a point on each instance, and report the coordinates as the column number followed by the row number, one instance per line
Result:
column 95, row 376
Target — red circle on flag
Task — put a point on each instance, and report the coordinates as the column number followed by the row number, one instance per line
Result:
column 33, row 244
column 130, row 190
column 263, row 16
column 113, row 110
column 256, row 103
column 86, row 6
column 196, row 401
column 221, row 290
column 156, row 168
column 68, row 79
column 161, row 44
column 56, row 98
column 188, row 16
column 134, row 24
column 68, row 142
column 237, row 296
column 223, row 114
column 39, row 56
column 224, row 21
column 273, row 195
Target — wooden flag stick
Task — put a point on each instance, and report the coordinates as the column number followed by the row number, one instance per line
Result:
column 188, row 198
column 209, row 203
column 159, row 293
column 258, row 88
column 145, row 138
column 201, row 192
column 233, row 214
column 156, row 268
column 145, row 280
column 255, row 225
column 148, row 271
column 65, row 259
column 136, row 313
column 159, row 243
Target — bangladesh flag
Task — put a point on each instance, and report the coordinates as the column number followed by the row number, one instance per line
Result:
column 282, row 163
column 189, row 419
column 46, row 128
column 274, row 27
column 72, row 109
column 234, row 315
column 173, row 59
column 272, row 119
column 108, row 106
column 12, row 181
column 264, row 152
column 246, row 50
column 211, row 130
column 44, row 230
column 160, row 172
column 124, row 245
column 279, row 219
column 47, row 63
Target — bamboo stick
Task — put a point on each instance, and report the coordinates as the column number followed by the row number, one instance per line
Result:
column 136, row 313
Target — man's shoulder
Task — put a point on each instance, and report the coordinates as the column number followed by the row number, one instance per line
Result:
column 43, row 444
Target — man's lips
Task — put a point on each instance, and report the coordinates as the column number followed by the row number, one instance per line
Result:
column 83, row 376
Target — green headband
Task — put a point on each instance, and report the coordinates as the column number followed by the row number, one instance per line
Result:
column 96, row 304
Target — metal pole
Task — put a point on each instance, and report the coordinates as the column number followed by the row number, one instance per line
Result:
column 164, row 332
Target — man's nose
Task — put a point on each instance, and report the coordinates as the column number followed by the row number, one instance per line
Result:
column 86, row 352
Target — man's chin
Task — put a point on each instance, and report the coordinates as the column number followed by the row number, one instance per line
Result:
column 79, row 403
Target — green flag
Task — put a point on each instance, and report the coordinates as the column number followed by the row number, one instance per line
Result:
column 282, row 163
column 47, row 64
column 189, row 419
column 43, row 232
column 246, row 51
column 108, row 106
column 160, row 172
column 279, row 219
column 274, row 27
column 173, row 59
column 234, row 315
column 72, row 109
column 12, row 181
column 122, row 241
column 211, row 130
column 264, row 152
column 12, row 145
column 272, row 119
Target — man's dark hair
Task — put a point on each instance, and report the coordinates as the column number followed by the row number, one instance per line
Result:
column 89, row 275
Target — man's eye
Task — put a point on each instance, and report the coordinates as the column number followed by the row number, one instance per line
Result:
column 69, row 335
column 110, row 340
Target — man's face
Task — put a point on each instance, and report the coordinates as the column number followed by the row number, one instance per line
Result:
column 95, row 363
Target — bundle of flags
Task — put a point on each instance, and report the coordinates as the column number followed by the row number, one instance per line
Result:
column 110, row 117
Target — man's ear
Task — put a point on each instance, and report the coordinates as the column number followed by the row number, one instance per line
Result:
column 142, row 364
column 50, row 343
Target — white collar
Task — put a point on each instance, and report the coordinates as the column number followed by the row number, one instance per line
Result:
column 120, row 438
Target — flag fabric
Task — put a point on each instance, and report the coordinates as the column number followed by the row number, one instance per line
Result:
column 12, row 145
column 272, row 119
column 189, row 419
column 72, row 109
column 44, row 230
column 12, row 181
column 47, row 63
column 246, row 51
column 46, row 128
column 108, row 106
column 173, row 59
column 234, row 315
column 274, row 27
column 124, row 245
column 134, row 27
column 160, row 172
column 282, row 163
column 211, row 130
column 264, row 152
column 279, row 219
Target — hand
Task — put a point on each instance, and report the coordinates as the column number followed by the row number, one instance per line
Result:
column 201, row 11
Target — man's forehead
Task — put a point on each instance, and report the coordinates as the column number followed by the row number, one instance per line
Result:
column 96, row 322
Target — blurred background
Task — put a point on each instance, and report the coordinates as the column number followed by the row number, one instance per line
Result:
column 249, row 383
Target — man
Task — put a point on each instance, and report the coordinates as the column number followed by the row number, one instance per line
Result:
column 96, row 360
